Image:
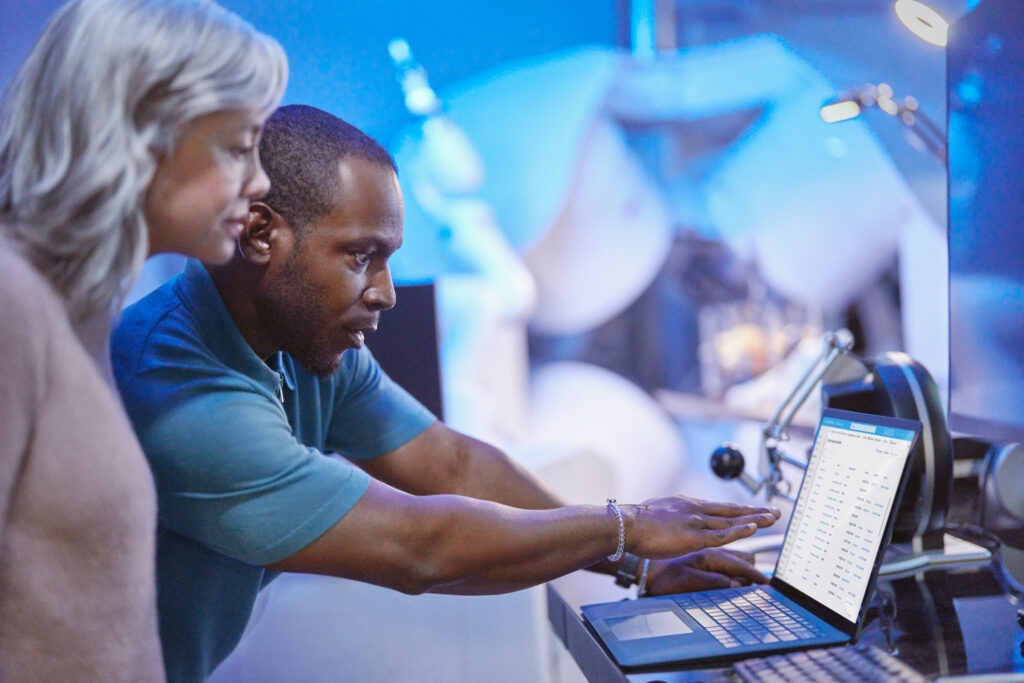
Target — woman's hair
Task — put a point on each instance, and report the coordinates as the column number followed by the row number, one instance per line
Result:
column 108, row 85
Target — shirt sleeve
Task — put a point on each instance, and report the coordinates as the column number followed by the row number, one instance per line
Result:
column 372, row 415
column 229, row 473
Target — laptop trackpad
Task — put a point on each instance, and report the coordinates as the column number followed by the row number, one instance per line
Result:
column 650, row 625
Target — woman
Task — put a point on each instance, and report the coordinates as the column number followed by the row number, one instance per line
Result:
column 131, row 129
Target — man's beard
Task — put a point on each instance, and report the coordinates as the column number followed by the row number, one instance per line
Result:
column 292, row 310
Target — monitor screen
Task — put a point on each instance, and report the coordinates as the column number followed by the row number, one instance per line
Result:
column 985, row 91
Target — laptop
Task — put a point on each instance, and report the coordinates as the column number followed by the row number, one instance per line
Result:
column 826, row 570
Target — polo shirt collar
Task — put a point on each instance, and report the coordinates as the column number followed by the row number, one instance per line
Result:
column 218, row 329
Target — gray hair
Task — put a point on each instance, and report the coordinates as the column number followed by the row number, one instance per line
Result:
column 108, row 85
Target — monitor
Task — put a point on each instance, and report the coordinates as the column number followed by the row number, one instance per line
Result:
column 406, row 345
column 985, row 127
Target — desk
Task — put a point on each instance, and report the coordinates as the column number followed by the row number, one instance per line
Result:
column 942, row 622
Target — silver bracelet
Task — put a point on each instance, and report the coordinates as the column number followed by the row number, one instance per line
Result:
column 641, row 586
column 622, row 531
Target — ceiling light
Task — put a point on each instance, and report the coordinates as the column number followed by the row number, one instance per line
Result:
column 925, row 22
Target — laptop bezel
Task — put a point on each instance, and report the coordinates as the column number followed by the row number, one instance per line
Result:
column 829, row 616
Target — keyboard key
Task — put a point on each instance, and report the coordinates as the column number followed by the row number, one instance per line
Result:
column 701, row 618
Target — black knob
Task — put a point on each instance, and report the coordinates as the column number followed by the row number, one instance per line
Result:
column 727, row 462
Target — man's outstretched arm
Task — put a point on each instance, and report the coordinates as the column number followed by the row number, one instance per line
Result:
column 442, row 460
column 455, row 544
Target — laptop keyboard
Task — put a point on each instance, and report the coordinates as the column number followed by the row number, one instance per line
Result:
column 844, row 663
column 740, row 616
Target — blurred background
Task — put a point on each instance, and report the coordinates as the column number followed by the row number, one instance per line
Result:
column 637, row 225
column 745, row 224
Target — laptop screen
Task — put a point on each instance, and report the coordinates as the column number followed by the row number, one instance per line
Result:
column 842, row 512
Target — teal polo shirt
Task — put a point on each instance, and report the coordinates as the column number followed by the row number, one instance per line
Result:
column 237, row 449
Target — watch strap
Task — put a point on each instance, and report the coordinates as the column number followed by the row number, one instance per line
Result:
column 625, row 576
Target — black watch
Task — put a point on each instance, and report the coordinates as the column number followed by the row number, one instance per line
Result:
column 626, row 574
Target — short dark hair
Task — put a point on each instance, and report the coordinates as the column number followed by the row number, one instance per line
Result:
column 300, row 151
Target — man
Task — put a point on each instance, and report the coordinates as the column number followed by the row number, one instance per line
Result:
column 238, row 379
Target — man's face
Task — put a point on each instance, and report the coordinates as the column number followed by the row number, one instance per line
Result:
column 324, row 293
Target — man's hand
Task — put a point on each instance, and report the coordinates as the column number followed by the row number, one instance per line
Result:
column 703, row 570
column 676, row 525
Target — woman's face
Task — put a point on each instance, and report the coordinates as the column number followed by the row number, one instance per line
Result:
column 200, row 192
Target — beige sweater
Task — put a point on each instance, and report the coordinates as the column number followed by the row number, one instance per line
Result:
column 77, row 504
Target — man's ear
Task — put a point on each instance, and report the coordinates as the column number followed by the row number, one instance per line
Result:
column 257, row 231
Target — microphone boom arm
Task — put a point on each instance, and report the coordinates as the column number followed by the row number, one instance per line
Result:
column 727, row 461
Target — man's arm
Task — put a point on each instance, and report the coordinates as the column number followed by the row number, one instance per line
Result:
column 455, row 544
column 442, row 460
